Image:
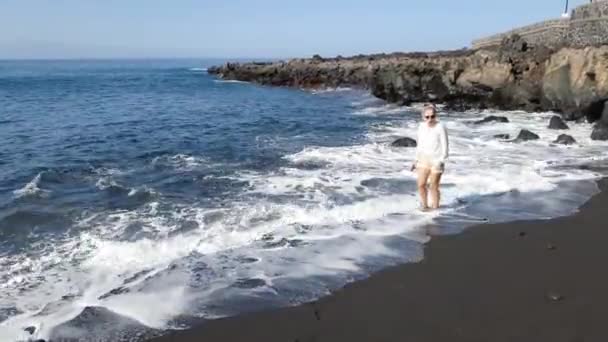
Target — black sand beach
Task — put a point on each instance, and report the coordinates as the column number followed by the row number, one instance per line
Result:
column 522, row 281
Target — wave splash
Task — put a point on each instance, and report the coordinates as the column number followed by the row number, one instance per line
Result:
column 32, row 188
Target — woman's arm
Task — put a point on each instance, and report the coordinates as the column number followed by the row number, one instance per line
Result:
column 417, row 156
column 445, row 145
column 418, row 140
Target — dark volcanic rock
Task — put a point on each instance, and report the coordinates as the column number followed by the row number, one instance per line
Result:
column 404, row 142
column 502, row 136
column 600, row 131
column 525, row 135
column 31, row 330
column 514, row 76
column 597, row 110
column 565, row 139
column 557, row 123
column 492, row 118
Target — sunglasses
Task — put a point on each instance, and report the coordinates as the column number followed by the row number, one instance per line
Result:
column 430, row 116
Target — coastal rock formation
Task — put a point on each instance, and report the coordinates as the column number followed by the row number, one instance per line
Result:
column 525, row 135
column 502, row 136
column 557, row 123
column 572, row 81
column 492, row 118
column 600, row 130
column 404, row 142
column 565, row 139
column 575, row 81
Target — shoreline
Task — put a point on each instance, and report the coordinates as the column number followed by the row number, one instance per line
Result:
column 537, row 280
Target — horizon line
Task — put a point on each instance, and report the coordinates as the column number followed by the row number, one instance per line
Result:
column 11, row 59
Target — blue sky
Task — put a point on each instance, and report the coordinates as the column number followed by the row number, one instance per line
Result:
column 253, row 28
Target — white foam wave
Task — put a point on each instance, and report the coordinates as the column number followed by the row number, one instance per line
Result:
column 198, row 69
column 229, row 81
column 181, row 161
column 142, row 190
column 384, row 109
column 105, row 183
column 331, row 90
column 31, row 188
column 104, row 171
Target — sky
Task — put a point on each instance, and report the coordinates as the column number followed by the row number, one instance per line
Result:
column 253, row 28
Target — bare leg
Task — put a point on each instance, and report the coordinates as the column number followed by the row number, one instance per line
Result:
column 423, row 176
column 435, row 179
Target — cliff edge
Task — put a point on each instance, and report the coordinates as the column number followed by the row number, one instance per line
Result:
column 571, row 81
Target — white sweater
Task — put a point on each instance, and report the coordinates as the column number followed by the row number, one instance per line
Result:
column 432, row 143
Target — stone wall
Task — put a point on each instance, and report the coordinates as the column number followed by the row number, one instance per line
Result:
column 549, row 32
column 587, row 26
column 597, row 9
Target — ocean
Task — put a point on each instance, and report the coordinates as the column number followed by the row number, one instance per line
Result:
column 143, row 195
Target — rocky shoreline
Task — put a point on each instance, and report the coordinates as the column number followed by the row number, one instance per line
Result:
column 569, row 81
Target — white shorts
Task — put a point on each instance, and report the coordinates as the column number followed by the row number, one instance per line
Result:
column 427, row 163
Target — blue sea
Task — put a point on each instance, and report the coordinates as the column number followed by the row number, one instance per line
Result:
column 138, row 196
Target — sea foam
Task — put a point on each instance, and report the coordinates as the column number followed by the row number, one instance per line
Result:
column 32, row 188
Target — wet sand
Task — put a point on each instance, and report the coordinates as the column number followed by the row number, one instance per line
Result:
column 520, row 281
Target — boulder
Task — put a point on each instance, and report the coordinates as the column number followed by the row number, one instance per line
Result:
column 492, row 118
column 502, row 136
column 600, row 131
column 557, row 122
column 565, row 139
column 525, row 135
column 598, row 110
column 404, row 142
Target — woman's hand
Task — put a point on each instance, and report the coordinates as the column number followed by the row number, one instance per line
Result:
column 440, row 165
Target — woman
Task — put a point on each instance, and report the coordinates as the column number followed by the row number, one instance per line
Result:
column 431, row 154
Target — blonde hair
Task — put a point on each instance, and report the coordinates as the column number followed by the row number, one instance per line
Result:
column 429, row 107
